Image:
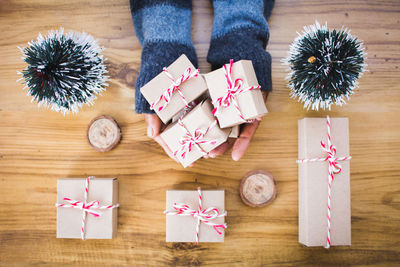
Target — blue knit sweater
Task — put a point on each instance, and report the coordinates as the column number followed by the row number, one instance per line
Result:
column 240, row 31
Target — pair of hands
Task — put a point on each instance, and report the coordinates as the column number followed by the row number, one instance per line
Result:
column 239, row 145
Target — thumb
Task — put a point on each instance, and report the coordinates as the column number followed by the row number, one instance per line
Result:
column 154, row 124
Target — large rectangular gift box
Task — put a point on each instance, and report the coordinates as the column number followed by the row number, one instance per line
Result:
column 195, row 134
column 69, row 220
column 156, row 89
column 249, row 103
column 183, row 228
column 314, row 181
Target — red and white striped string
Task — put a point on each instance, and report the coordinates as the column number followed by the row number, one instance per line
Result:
column 167, row 95
column 334, row 168
column 234, row 88
column 206, row 216
column 86, row 207
column 188, row 141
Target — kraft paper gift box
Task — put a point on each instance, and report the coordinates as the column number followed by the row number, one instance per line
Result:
column 69, row 220
column 191, row 89
column 183, row 228
column 250, row 103
column 313, row 184
column 197, row 120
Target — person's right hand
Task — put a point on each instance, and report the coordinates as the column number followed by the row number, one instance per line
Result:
column 154, row 128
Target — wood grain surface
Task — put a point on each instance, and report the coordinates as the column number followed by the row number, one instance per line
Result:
column 38, row 146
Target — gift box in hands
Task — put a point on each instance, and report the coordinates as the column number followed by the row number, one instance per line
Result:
column 234, row 98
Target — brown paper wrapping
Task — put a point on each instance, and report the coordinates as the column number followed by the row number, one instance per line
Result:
column 313, row 184
column 251, row 103
column 235, row 131
column 191, row 89
column 183, row 228
column 200, row 117
column 69, row 220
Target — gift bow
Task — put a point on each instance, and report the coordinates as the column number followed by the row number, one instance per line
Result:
column 234, row 88
column 168, row 93
column 206, row 216
column 188, row 141
column 334, row 168
column 86, row 207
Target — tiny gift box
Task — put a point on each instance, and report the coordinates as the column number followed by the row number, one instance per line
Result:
column 324, row 182
column 86, row 208
column 194, row 135
column 235, row 93
column 195, row 216
column 174, row 88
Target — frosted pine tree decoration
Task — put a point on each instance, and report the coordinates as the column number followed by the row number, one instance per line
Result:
column 324, row 66
column 64, row 71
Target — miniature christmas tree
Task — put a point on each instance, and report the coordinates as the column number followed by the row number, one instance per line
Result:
column 65, row 70
column 324, row 66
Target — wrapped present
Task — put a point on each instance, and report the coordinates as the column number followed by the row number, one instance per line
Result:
column 324, row 182
column 86, row 208
column 194, row 135
column 195, row 216
column 173, row 89
column 235, row 93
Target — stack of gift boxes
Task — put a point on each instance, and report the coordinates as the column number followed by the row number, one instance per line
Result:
column 202, row 111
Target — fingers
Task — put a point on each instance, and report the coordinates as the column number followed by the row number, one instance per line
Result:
column 221, row 149
column 242, row 143
column 154, row 125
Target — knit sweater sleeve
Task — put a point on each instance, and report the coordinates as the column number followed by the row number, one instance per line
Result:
column 163, row 29
column 240, row 31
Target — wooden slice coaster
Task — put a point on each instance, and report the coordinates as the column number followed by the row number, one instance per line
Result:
column 103, row 133
column 258, row 188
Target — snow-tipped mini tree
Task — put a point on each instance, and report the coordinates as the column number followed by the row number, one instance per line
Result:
column 324, row 66
column 64, row 70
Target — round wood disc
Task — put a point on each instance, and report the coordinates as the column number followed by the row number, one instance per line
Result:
column 258, row 188
column 103, row 133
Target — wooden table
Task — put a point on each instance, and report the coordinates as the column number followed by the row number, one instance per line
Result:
column 38, row 146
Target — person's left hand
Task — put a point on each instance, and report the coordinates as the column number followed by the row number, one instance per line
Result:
column 240, row 144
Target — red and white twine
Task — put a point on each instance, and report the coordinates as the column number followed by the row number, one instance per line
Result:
column 167, row 95
column 206, row 216
column 234, row 88
column 86, row 207
column 334, row 168
column 188, row 141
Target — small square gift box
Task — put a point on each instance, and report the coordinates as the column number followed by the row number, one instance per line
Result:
column 194, row 135
column 195, row 216
column 86, row 208
column 174, row 88
column 324, row 182
column 235, row 93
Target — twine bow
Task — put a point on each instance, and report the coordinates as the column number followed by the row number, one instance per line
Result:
column 168, row 93
column 234, row 88
column 86, row 207
column 334, row 168
column 188, row 141
column 206, row 216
